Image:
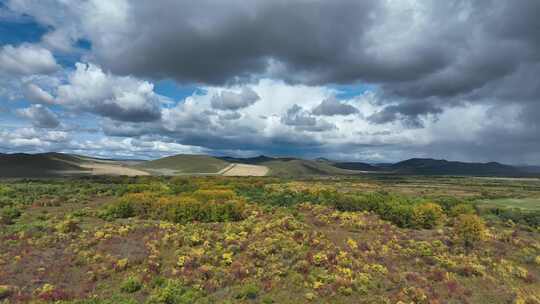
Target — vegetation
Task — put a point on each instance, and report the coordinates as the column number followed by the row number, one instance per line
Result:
column 369, row 239
column 185, row 164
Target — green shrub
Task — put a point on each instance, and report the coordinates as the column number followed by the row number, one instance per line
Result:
column 131, row 285
column 68, row 226
column 121, row 209
column 180, row 185
column 249, row 291
column 9, row 214
column 173, row 292
column 462, row 209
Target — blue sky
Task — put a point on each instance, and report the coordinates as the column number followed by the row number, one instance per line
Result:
column 133, row 80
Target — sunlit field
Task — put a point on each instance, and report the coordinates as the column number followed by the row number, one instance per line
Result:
column 376, row 239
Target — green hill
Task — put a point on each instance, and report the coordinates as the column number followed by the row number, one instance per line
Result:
column 39, row 165
column 300, row 167
column 184, row 164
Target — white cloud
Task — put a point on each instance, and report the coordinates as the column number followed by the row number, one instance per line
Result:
column 122, row 98
column 40, row 116
column 26, row 59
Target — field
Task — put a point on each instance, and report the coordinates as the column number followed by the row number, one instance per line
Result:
column 215, row 239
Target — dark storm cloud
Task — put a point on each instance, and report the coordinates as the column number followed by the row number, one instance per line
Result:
column 216, row 42
column 409, row 112
column 448, row 50
column 332, row 107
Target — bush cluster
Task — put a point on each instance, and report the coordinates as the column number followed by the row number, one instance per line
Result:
column 469, row 229
column 201, row 205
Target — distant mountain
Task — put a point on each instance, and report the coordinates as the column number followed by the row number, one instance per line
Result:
column 248, row 160
column 59, row 164
column 428, row 166
column 530, row 169
column 356, row 166
column 39, row 165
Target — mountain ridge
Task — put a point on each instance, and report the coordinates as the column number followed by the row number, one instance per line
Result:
column 54, row 163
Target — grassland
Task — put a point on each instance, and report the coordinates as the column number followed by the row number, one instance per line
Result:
column 185, row 164
column 363, row 239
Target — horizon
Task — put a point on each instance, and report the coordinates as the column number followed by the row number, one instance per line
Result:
column 275, row 157
column 388, row 81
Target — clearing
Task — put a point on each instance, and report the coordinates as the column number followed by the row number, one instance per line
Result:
column 245, row 170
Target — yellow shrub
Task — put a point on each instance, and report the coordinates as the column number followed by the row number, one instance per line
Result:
column 428, row 215
column 469, row 229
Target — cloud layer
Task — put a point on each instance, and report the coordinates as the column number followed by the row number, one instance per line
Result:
column 453, row 79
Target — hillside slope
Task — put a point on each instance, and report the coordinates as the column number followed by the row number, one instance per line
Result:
column 184, row 164
column 39, row 165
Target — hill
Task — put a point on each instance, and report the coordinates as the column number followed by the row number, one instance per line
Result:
column 356, row 166
column 184, row 164
column 39, row 165
column 428, row 166
column 290, row 166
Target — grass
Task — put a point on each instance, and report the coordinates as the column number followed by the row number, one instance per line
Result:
column 520, row 203
column 297, row 167
column 297, row 241
column 186, row 164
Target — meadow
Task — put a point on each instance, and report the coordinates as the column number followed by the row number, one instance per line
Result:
column 362, row 239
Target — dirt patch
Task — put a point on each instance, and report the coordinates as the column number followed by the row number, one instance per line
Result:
column 245, row 170
column 112, row 169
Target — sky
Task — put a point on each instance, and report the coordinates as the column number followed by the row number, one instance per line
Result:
column 373, row 80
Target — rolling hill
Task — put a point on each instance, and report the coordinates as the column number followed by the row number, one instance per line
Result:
column 290, row 166
column 39, row 165
column 58, row 164
column 184, row 164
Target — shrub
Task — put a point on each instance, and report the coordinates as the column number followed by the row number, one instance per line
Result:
column 180, row 185
column 462, row 209
column 173, row 292
column 5, row 291
column 213, row 195
column 427, row 215
column 67, row 226
column 131, row 285
column 9, row 214
column 469, row 229
column 181, row 210
column 249, row 291
column 206, row 206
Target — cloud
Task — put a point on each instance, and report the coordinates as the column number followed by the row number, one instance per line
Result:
column 122, row 98
column 40, row 116
column 302, row 120
column 264, row 67
column 36, row 94
column 227, row 100
column 332, row 107
column 231, row 116
column 26, row 59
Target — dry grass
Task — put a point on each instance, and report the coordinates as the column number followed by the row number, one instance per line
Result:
column 112, row 169
column 245, row 170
